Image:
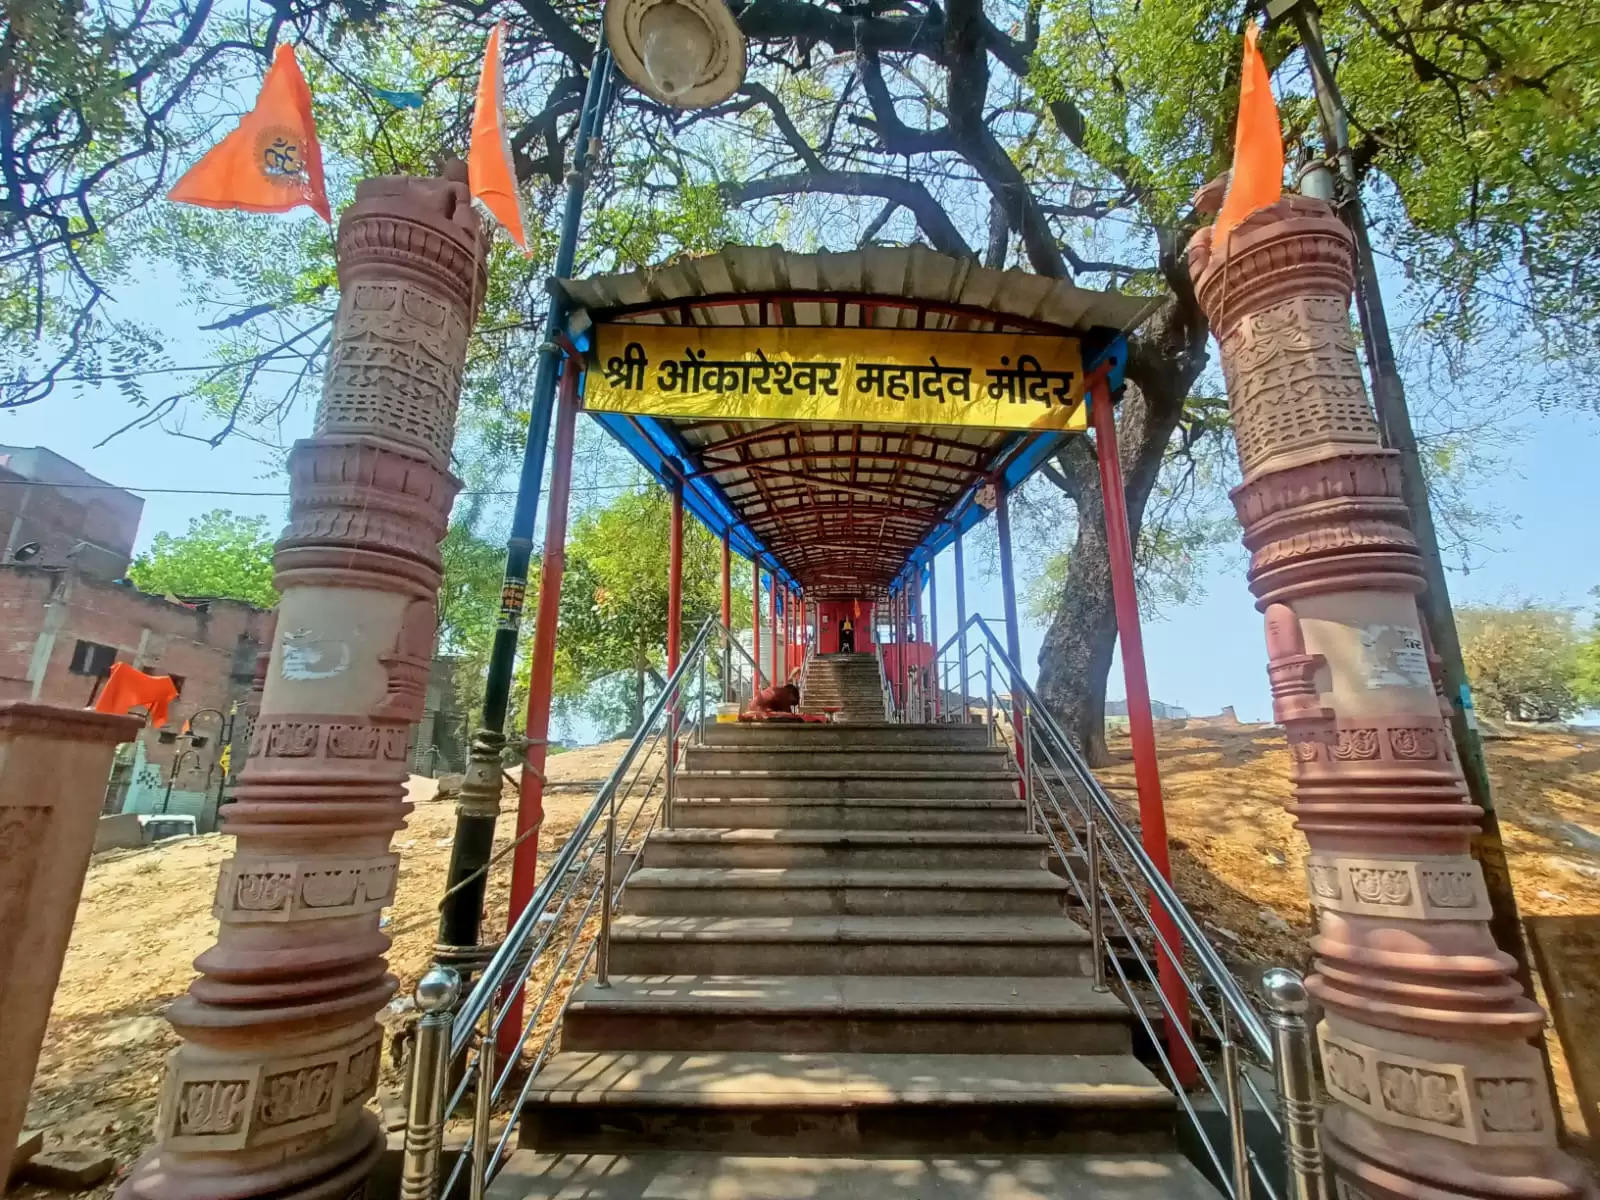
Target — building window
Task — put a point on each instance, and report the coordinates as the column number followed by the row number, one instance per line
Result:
column 91, row 658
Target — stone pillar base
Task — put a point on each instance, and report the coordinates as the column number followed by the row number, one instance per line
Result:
column 1397, row 1164
column 53, row 766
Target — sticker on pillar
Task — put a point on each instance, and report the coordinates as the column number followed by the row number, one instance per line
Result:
column 1394, row 656
column 307, row 657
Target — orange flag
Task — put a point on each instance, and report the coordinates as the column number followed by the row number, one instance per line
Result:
column 1257, row 179
column 272, row 161
column 490, row 175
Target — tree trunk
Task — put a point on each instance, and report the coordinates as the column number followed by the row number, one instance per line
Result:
column 1076, row 655
column 640, row 665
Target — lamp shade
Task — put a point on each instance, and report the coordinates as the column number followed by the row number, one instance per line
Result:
column 686, row 53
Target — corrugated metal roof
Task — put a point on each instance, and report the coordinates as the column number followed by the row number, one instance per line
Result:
column 843, row 509
column 912, row 273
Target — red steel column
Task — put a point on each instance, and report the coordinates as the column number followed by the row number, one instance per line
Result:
column 675, row 579
column 727, row 618
column 1141, row 729
column 530, row 791
column 755, row 624
column 933, row 630
column 1008, row 594
column 1425, row 1036
column 961, row 624
column 778, row 678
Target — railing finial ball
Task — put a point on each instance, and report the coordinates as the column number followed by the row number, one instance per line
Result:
column 1284, row 991
column 438, row 989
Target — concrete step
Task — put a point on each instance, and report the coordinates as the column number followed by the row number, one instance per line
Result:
column 785, row 760
column 864, row 737
column 669, row 1175
column 845, row 1103
column 741, row 810
column 910, row 785
column 1009, row 945
column 809, row 891
column 950, row 850
column 861, row 1014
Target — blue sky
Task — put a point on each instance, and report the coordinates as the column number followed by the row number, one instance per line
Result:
column 1203, row 656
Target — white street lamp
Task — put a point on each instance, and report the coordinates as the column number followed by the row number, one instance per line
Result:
column 686, row 53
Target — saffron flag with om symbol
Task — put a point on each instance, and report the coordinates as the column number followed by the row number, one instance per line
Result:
column 1257, row 178
column 272, row 162
column 490, row 174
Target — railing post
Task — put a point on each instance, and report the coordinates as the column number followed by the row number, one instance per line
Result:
column 1235, row 1104
column 1097, row 924
column 483, row 1109
column 436, row 996
column 671, row 792
column 989, row 697
column 700, row 736
column 602, row 968
column 1294, row 1062
column 1029, row 779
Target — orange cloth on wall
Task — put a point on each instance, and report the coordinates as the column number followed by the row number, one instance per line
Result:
column 1257, row 178
column 128, row 688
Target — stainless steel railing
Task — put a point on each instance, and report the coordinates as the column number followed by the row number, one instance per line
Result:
column 891, row 710
column 563, row 932
column 1120, row 890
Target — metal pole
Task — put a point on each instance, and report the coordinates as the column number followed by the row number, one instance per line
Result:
column 755, row 626
column 436, row 996
column 1008, row 590
column 728, row 695
column 700, row 734
column 603, row 950
column 1394, row 422
column 479, row 806
column 1235, row 1104
column 530, row 789
column 674, row 638
column 1097, row 923
column 772, row 623
column 933, row 635
column 1141, row 728
column 989, row 699
column 961, row 624
column 1030, row 768
column 1294, row 1061
column 483, row 1110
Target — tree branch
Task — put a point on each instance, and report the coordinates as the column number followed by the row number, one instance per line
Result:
column 907, row 193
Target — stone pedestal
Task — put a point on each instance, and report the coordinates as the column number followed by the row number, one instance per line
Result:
column 265, row 1097
column 53, row 767
column 1437, row 1090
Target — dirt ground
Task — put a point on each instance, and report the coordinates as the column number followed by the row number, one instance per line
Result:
column 145, row 913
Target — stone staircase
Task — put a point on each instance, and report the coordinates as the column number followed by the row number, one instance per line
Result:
column 845, row 973
column 846, row 682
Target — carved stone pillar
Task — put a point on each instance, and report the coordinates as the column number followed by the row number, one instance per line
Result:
column 280, row 1050
column 1425, row 1043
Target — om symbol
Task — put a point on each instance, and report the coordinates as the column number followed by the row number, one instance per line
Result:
column 281, row 158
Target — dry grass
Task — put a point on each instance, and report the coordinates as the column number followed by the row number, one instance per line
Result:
column 145, row 914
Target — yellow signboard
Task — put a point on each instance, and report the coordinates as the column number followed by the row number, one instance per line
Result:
column 873, row 376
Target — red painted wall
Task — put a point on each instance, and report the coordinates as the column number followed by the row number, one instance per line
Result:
column 832, row 612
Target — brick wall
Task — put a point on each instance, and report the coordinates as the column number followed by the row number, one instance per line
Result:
column 46, row 611
column 77, row 519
